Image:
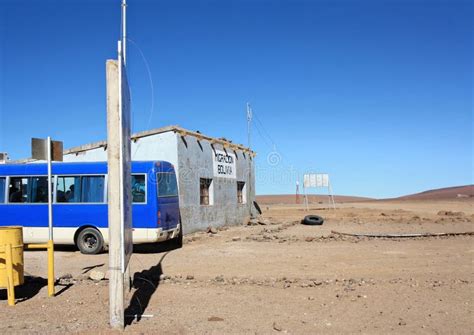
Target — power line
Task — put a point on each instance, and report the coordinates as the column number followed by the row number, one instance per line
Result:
column 267, row 138
column 262, row 136
column 263, row 127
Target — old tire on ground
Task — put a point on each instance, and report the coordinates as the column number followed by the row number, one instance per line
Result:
column 90, row 241
column 257, row 207
column 313, row 220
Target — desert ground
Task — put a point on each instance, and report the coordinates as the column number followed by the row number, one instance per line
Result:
column 277, row 276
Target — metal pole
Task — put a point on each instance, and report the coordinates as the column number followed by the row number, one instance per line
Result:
column 305, row 198
column 50, row 198
column 50, row 224
column 249, row 188
column 297, row 191
column 249, row 121
column 50, row 268
column 9, row 270
column 124, row 31
column 331, row 195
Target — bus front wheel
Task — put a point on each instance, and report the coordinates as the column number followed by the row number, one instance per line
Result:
column 90, row 241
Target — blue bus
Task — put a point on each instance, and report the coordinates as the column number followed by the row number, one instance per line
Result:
column 80, row 211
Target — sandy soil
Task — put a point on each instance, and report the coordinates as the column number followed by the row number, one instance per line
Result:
column 282, row 277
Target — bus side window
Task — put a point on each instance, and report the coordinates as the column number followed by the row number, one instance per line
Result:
column 84, row 189
column 68, row 189
column 18, row 190
column 92, row 188
column 2, row 190
column 138, row 188
column 38, row 190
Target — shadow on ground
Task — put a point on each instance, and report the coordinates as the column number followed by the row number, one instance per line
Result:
column 145, row 283
column 152, row 248
column 146, row 248
column 92, row 267
column 28, row 290
column 31, row 287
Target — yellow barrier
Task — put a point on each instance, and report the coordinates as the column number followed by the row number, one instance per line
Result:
column 50, row 248
column 12, row 264
column 11, row 260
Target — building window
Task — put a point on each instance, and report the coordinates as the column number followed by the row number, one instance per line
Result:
column 206, row 196
column 241, row 192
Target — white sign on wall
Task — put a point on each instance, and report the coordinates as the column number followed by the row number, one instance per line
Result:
column 224, row 164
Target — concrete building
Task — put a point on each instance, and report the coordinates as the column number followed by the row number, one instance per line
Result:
column 216, row 178
column 3, row 157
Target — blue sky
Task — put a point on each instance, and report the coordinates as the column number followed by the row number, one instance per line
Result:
column 376, row 93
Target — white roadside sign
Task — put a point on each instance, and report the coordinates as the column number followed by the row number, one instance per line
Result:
column 316, row 180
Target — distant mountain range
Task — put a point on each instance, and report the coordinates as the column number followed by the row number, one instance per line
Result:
column 456, row 192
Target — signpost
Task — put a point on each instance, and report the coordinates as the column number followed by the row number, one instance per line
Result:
column 45, row 149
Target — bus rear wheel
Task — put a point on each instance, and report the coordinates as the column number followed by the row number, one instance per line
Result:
column 90, row 241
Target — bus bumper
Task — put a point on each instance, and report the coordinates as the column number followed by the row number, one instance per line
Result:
column 160, row 235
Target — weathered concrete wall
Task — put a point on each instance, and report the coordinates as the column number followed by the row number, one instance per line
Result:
column 192, row 162
column 93, row 155
column 195, row 162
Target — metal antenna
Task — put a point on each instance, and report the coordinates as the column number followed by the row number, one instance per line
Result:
column 124, row 31
column 249, row 121
column 297, row 200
